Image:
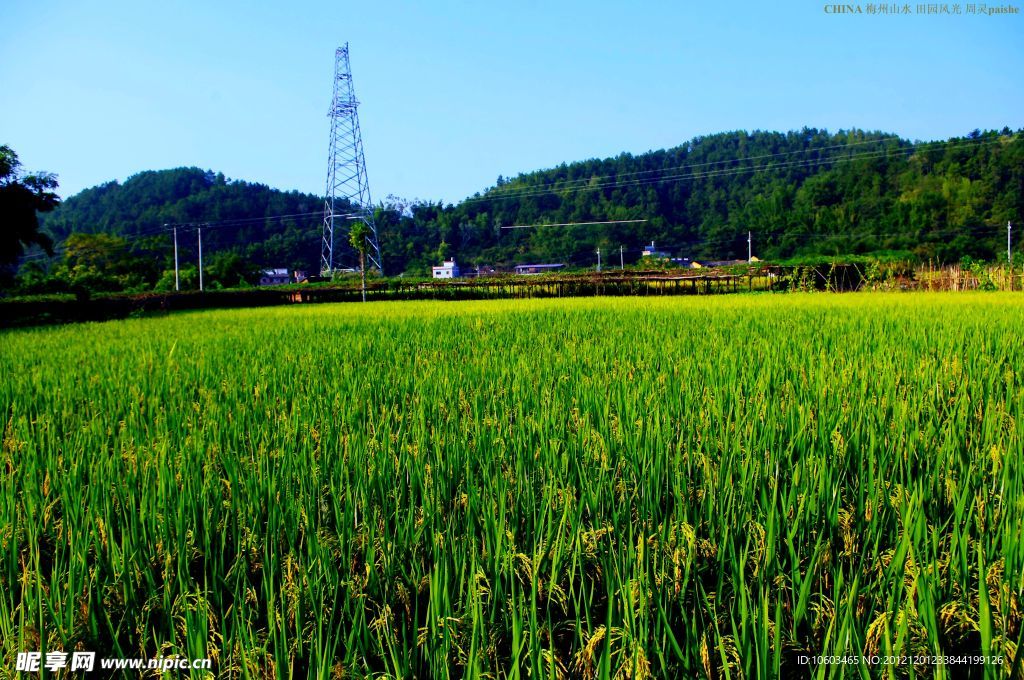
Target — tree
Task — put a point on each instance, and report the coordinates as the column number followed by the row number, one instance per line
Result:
column 231, row 270
column 188, row 279
column 34, row 279
column 359, row 237
column 21, row 197
column 101, row 263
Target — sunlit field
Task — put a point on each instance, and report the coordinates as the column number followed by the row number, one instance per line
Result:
column 588, row 488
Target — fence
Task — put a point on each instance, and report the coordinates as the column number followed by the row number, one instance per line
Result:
column 832, row 278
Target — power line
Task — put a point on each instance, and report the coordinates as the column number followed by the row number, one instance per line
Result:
column 530, row 192
column 229, row 222
column 713, row 173
column 729, row 171
column 584, row 180
column 735, row 240
column 169, row 228
column 572, row 224
column 730, row 240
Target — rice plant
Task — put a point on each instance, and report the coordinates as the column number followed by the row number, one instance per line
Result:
column 591, row 488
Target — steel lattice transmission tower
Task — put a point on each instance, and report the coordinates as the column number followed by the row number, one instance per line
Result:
column 346, row 167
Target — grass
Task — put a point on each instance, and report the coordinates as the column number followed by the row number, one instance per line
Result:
column 588, row 488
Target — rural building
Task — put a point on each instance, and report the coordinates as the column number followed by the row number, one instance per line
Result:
column 651, row 251
column 274, row 277
column 474, row 273
column 537, row 268
column 449, row 270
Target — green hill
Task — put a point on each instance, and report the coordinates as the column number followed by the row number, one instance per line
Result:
column 244, row 216
column 801, row 193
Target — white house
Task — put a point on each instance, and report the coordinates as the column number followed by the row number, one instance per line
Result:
column 449, row 270
column 274, row 277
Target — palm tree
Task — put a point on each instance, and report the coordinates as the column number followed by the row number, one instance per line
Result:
column 359, row 237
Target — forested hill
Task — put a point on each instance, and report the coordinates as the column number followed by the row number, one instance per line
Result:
column 801, row 193
column 267, row 226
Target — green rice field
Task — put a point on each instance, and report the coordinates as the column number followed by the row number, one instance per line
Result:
column 686, row 487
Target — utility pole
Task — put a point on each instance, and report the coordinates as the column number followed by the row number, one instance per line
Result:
column 621, row 261
column 200, row 231
column 750, row 248
column 1009, row 252
column 598, row 259
column 177, row 287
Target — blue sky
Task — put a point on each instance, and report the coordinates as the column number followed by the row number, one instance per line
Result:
column 455, row 93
